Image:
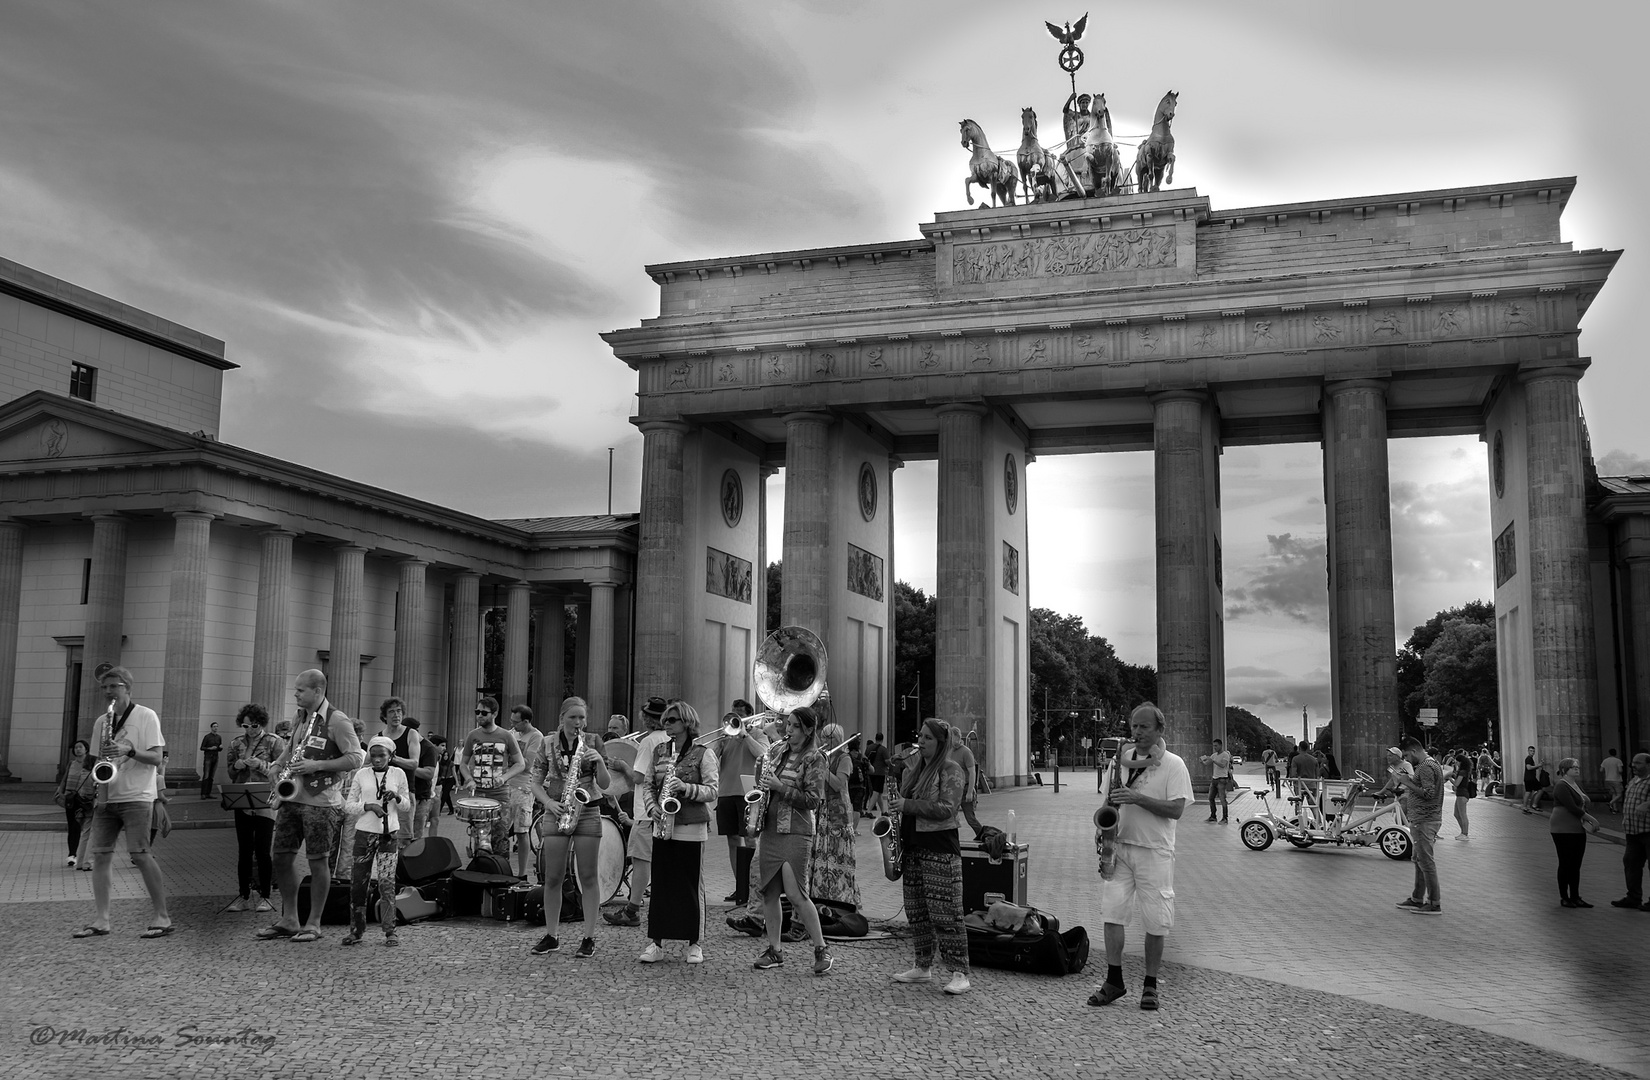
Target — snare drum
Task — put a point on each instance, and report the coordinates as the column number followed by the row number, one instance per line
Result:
column 477, row 811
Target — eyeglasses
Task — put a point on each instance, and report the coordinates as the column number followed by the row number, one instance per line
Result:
column 484, row 712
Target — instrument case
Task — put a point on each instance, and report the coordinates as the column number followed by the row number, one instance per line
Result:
column 520, row 903
column 425, row 860
column 472, row 892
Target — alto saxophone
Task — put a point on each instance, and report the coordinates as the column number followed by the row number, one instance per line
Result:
column 285, row 785
column 573, row 797
column 1106, row 819
column 664, row 822
column 756, row 799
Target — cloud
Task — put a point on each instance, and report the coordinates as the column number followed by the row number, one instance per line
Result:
column 1623, row 463
column 1289, row 580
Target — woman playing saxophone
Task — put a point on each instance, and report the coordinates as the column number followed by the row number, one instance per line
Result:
column 686, row 775
column 795, row 788
column 570, row 761
column 930, row 792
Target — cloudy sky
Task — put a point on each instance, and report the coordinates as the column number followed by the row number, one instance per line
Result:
column 409, row 219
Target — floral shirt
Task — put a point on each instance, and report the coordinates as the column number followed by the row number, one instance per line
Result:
column 801, row 792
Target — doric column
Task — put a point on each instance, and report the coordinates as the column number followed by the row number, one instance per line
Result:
column 344, row 668
column 1186, row 562
column 11, row 600
column 806, row 557
column 960, row 579
column 271, row 682
column 1358, row 506
column 407, row 678
column 466, row 652
column 600, row 682
column 550, row 669
column 1561, row 600
column 180, row 710
column 516, row 633
column 105, row 611
column 661, row 562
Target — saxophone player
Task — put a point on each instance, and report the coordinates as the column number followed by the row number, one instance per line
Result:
column 686, row 773
column 795, row 786
column 570, row 761
column 929, row 794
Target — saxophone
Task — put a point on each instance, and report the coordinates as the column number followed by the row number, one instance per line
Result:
column 668, row 805
column 756, row 799
column 886, row 830
column 573, row 797
column 285, row 786
column 1106, row 819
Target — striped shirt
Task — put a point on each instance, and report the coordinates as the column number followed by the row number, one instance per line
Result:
column 1635, row 806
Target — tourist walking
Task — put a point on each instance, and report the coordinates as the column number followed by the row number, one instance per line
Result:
column 76, row 793
column 1569, row 824
column 1466, row 789
column 1635, row 830
column 1612, row 767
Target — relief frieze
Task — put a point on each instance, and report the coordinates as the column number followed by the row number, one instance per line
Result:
column 1064, row 256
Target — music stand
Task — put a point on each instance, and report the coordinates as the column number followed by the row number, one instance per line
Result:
column 245, row 796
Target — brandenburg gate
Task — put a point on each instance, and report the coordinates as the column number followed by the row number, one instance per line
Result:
column 1132, row 322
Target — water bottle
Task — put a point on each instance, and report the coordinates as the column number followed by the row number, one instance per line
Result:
column 1013, row 836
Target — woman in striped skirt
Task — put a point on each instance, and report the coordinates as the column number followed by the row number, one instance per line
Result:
column 929, row 794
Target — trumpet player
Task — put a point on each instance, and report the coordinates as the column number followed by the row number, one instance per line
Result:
column 737, row 756
column 683, row 785
column 1150, row 800
column 127, row 737
column 568, row 749
column 929, row 794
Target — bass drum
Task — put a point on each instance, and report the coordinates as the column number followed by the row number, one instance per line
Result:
column 610, row 861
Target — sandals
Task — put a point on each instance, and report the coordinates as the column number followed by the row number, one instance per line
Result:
column 305, row 936
column 90, row 931
column 270, row 933
column 158, row 931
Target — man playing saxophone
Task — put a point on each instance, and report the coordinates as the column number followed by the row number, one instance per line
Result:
column 324, row 749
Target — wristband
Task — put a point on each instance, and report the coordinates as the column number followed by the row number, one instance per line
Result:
column 131, row 751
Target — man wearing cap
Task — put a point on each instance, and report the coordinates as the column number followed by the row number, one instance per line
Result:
column 641, row 840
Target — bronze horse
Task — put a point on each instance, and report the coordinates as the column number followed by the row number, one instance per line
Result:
column 1105, row 163
column 989, row 170
column 1036, row 164
column 1154, row 162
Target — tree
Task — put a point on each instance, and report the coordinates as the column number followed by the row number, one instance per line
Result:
column 776, row 584
column 1461, row 683
column 1412, row 668
column 915, row 615
column 1248, row 735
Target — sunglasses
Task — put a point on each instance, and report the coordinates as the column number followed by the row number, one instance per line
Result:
column 484, row 712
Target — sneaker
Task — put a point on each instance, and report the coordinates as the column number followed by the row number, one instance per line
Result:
column 958, row 983
column 695, row 955
column 72, row 861
column 629, row 915
column 1463, row 836
column 1210, row 819
column 652, row 954
column 1425, row 909
column 915, row 975
column 822, row 960
column 547, row 944
column 770, row 958
column 1148, row 998
column 263, row 904
column 1108, row 993
column 1410, row 903
column 732, row 898
column 237, row 905
column 1576, row 901
column 1626, row 902
column 587, row 949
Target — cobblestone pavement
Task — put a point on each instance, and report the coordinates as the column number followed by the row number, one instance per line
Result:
column 1283, row 963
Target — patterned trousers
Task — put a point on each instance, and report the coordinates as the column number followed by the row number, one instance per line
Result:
column 375, row 857
column 933, row 906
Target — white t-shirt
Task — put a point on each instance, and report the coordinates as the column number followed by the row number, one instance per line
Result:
column 1612, row 770
column 644, row 761
column 134, row 781
column 1220, row 765
column 1167, row 782
column 364, row 789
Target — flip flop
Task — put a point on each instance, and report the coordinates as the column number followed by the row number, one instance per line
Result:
column 157, row 931
column 305, row 936
column 270, row 933
column 90, row 931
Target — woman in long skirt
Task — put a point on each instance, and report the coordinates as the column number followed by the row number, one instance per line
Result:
column 688, row 774
column 831, row 877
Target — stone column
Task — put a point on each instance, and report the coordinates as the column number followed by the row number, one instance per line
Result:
column 1185, row 570
column 661, row 563
column 1362, row 622
column 960, row 580
column 271, row 681
column 105, row 612
column 407, row 678
column 806, row 555
column 516, row 634
column 11, row 609
column 466, row 650
column 600, row 653
column 550, row 672
column 180, row 710
column 344, row 668
column 1561, row 600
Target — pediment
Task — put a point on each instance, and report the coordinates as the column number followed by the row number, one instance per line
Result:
column 46, row 438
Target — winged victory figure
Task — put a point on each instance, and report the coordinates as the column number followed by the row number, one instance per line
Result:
column 1072, row 33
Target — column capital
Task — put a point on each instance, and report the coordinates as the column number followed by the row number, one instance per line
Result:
column 411, row 560
column 277, row 530
column 815, row 416
column 1343, row 386
column 10, row 524
column 975, row 408
column 602, row 584
column 468, row 574
column 106, row 515
column 183, row 513
column 1570, row 371
column 647, row 427
column 1164, row 397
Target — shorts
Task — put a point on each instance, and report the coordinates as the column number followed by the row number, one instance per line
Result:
column 519, row 808
column 588, row 823
column 1144, row 880
column 313, row 828
column 110, row 818
column 730, row 815
column 640, row 844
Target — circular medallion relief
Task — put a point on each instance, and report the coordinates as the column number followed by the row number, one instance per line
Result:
column 733, row 498
column 1011, row 483
column 867, row 491
column 1499, row 466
